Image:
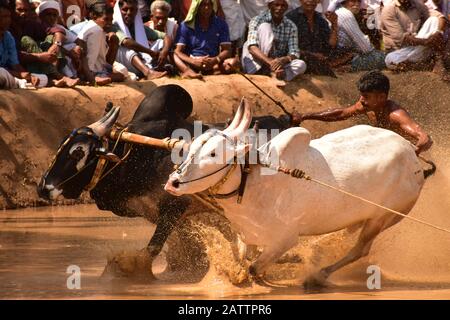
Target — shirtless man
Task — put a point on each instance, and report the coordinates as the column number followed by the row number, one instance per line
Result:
column 381, row 112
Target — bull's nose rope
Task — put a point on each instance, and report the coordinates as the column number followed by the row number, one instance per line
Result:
column 300, row 174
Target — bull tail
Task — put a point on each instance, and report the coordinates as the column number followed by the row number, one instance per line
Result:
column 428, row 172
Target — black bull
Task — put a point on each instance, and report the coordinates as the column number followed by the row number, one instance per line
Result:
column 134, row 188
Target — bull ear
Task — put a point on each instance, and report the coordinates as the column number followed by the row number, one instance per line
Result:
column 101, row 126
column 237, row 117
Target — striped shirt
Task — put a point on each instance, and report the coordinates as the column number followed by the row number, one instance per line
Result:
column 350, row 35
column 285, row 35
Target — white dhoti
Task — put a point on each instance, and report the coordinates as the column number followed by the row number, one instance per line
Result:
column 125, row 56
column 265, row 37
column 414, row 53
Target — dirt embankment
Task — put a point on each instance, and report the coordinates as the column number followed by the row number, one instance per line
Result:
column 33, row 123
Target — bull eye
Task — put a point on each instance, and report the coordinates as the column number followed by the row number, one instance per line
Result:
column 77, row 154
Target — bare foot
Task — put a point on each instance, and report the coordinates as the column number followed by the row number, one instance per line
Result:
column 71, row 82
column 155, row 75
column 100, row 81
column 189, row 74
column 278, row 77
column 439, row 68
column 61, row 83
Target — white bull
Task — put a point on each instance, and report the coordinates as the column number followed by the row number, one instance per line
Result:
column 373, row 163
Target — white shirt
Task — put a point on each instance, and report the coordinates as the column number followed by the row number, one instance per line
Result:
column 97, row 48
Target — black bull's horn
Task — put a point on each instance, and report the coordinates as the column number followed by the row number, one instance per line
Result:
column 166, row 143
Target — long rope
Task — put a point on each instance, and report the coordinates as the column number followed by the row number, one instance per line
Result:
column 299, row 174
column 278, row 103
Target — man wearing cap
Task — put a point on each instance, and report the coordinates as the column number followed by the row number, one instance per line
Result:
column 203, row 43
column 272, row 45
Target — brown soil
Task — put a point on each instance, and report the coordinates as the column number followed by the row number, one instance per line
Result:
column 33, row 122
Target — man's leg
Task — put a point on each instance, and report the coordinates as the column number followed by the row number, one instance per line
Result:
column 185, row 70
column 265, row 37
column 131, row 60
column 294, row 68
column 373, row 60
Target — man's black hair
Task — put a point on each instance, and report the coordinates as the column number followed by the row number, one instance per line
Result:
column 121, row 2
column 374, row 81
column 99, row 9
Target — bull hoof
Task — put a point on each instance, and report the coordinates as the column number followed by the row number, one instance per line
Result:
column 316, row 281
column 137, row 265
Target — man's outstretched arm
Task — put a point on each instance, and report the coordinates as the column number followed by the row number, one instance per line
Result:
column 337, row 114
column 410, row 127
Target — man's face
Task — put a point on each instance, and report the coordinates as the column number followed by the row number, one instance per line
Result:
column 105, row 21
column 278, row 8
column 5, row 20
column 23, row 10
column 49, row 16
column 373, row 100
column 159, row 18
column 309, row 5
column 353, row 5
column 129, row 11
column 206, row 9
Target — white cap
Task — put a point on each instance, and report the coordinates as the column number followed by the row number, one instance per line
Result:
column 48, row 4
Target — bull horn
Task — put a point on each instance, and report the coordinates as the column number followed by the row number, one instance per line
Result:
column 245, row 122
column 105, row 123
column 237, row 118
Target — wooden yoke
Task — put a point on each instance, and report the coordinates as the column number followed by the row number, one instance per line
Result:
column 166, row 143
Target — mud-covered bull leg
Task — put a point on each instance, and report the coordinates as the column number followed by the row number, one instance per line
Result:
column 170, row 210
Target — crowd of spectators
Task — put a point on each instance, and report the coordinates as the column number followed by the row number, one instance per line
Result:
column 65, row 43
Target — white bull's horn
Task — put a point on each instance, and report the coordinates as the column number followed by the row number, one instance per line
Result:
column 105, row 123
column 237, row 118
column 245, row 122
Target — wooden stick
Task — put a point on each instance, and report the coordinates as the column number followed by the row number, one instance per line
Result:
column 134, row 138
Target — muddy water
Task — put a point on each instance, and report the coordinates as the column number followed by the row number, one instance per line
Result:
column 38, row 245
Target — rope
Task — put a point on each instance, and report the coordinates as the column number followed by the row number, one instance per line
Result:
column 300, row 174
column 278, row 103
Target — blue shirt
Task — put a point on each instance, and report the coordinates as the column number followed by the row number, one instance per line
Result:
column 8, row 52
column 204, row 43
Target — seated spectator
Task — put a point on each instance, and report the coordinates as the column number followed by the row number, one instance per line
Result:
column 410, row 35
column 102, row 45
column 159, row 21
column 352, row 39
column 135, row 52
column 203, row 43
column 9, row 61
column 272, row 45
column 24, row 24
column 59, row 43
column 315, row 38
